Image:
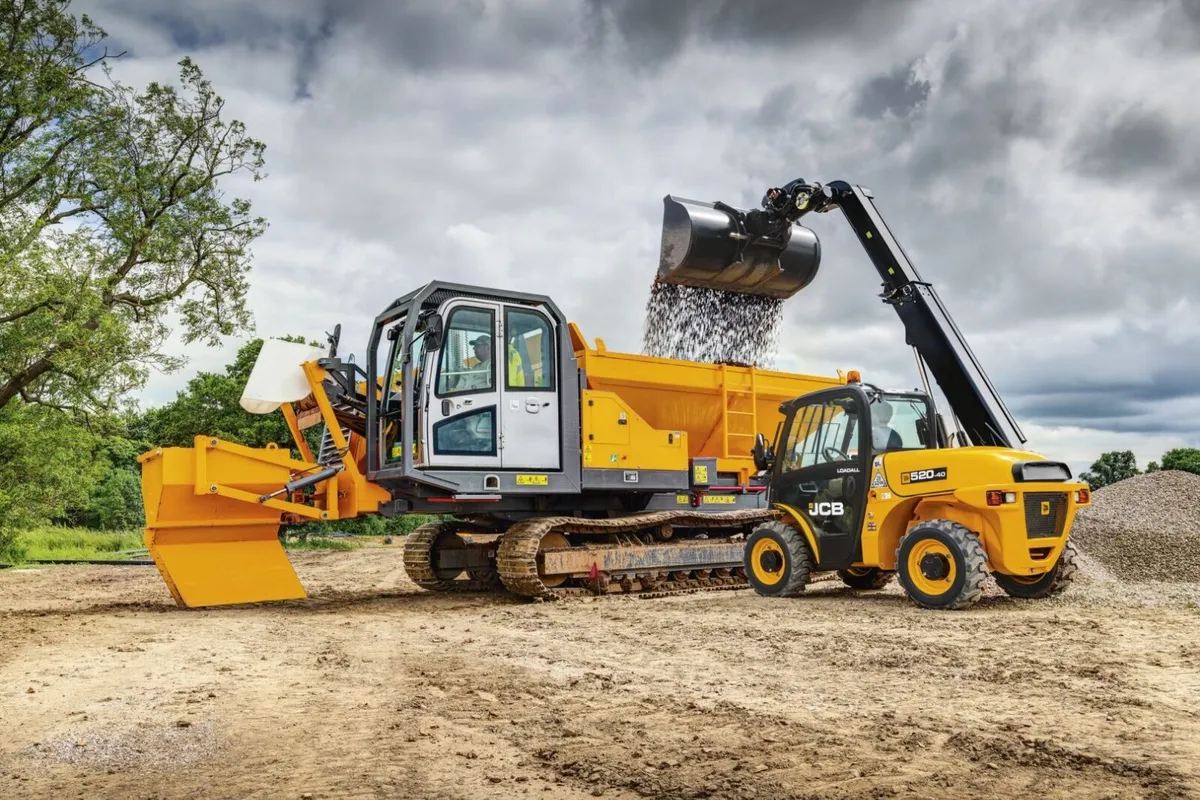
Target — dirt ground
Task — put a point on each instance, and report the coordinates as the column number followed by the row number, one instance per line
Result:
column 373, row 689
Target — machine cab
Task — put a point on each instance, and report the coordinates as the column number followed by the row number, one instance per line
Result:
column 473, row 380
column 824, row 451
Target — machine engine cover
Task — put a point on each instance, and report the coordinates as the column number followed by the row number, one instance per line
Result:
column 698, row 250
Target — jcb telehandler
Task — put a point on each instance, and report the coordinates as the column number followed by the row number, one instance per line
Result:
column 867, row 481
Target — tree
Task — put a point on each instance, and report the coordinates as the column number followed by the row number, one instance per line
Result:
column 1110, row 468
column 112, row 220
column 1182, row 458
column 46, row 467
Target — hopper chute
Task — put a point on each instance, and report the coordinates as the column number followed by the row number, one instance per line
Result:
column 715, row 246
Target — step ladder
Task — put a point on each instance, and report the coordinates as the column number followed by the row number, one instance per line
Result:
column 729, row 398
column 328, row 452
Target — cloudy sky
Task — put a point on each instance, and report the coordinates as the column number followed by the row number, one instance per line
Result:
column 1038, row 160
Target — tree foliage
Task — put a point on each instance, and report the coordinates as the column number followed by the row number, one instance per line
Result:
column 113, row 225
column 1111, row 467
column 1182, row 458
column 210, row 406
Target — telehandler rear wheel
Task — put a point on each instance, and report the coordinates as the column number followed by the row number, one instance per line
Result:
column 865, row 577
column 1034, row 587
column 941, row 565
column 778, row 560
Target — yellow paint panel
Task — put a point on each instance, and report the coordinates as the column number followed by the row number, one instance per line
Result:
column 617, row 437
column 213, row 549
column 224, row 566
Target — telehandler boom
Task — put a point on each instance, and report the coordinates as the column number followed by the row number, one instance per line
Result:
column 866, row 480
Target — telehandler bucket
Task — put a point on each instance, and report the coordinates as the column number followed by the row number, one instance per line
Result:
column 703, row 246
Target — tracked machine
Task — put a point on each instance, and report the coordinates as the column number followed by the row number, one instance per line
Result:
column 556, row 465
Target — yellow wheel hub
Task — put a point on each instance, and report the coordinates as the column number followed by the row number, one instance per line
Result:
column 931, row 567
column 767, row 561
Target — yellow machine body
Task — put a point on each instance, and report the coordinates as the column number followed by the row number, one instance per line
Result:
column 643, row 412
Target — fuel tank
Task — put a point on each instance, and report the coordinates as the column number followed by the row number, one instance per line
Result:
column 699, row 249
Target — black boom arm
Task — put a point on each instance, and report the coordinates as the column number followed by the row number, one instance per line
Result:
column 928, row 326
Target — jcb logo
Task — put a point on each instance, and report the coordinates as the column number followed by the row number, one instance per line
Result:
column 1045, row 508
column 826, row 509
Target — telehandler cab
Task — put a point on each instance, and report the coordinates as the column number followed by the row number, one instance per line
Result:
column 867, row 481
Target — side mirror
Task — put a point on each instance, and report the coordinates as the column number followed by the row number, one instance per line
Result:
column 433, row 332
column 764, row 455
column 334, row 339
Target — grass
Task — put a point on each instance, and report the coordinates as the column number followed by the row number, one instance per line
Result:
column 81, row 544
column 318, row 543
column 78, row 543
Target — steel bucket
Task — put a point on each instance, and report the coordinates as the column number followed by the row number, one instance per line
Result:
column 698, row 250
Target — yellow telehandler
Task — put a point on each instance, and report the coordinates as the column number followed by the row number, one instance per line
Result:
column 866, row 481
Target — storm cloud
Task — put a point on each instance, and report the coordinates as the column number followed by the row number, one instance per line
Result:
column 1038, row 161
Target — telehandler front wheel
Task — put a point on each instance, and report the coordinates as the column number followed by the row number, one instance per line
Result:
column 778, row 560
column 1035, row 587
column 941, row 565
column 865, row 577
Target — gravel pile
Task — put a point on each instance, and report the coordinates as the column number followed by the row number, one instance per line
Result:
column 711, row 326
column 1144, row 528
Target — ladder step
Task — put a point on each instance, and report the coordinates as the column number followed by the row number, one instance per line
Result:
column 740, row 413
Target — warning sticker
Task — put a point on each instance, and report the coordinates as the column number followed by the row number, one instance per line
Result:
column 878, row 482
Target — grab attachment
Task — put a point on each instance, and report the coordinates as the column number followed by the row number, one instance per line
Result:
column 716, row 246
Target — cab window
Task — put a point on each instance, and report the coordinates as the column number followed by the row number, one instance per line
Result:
column 466, row 364
column 529, row 361
column 823, row 433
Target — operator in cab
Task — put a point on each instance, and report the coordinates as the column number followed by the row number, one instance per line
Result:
column 883, row 436
column 480, row 375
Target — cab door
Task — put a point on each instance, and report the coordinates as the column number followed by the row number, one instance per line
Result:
column 821, row 472
column 462, row 423
column 530, row 396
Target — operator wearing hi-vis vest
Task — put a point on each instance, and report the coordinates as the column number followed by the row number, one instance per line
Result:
column 480, row 375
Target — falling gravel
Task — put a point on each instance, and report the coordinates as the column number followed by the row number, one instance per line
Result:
column 712, row 326
column 1144, row 528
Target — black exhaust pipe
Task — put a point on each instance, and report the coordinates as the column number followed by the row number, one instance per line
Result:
column 714, row 246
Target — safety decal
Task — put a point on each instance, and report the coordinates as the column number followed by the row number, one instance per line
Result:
column 924, row 475
column 878, row 462
column 533, row 480
column 879, row 482
column 719, row 499
column 871, row 526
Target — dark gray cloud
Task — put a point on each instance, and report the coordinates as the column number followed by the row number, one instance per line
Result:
column 658, row 31
column 1132, row 144
column 898, row 92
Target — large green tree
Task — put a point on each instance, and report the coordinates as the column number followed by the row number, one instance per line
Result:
column 113, row 225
